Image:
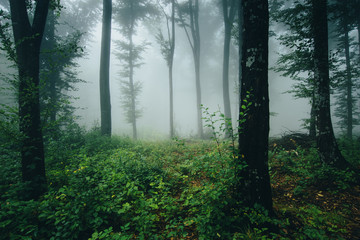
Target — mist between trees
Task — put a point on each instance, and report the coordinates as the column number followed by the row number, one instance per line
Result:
column 225, row 70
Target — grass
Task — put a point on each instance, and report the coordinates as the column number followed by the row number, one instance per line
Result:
column 116, row 188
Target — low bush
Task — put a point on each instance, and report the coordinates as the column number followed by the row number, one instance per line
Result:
column 115, row 188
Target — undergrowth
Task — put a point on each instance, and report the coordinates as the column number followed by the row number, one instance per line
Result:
column 116, row 188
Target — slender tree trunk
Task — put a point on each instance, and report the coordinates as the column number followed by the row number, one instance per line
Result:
column 254, row 134
column 171, row 95
column 228, row 15
column 195, row 32
column 197, row 46
column 105, row 102
column 132, row 90
column 28, row 38
column 198, row 95
column 326, row 142
column 171, row 62
column 349, row 98
column 131, row 78
column 194, row 42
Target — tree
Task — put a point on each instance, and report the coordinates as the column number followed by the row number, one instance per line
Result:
column 295, row 63
column 27, row 38
column 191, row 10
column 60, row 47
column 57, row 76
column 128, row 14
column 105, row 103
column 328, row 149
column 168, row 50
column 229, row 11
column 347, row 60
column 254, row 132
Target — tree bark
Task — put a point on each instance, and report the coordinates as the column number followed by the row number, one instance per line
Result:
column 326, row 142
column 254, row 179
column 28, row 39
column 105, row 102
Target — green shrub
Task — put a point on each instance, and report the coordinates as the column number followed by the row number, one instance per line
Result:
column 310, row 171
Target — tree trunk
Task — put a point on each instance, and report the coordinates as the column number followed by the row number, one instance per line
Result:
column 171, row 62
column 131, row 76
column 349, row 98
column 198, row 95
column 253, row 138
column 195, row 32
column 171, row 95
column 228, row 16
column 28, row 38
column 326, row 142
column 105, row 102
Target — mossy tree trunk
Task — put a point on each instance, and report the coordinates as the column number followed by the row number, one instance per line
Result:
column 254, row 179
column 28, row 37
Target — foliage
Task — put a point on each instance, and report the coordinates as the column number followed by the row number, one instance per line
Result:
column 58, row 77
column 115, row 188
column 350, row 149
column 60, row 48
column 310, row 171
column 308, row 194
column 346, row 72
column 299, row 44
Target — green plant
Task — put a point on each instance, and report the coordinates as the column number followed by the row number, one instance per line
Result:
column 319, row 224
column 350, row 148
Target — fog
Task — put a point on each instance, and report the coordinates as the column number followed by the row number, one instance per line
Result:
column 154, row 98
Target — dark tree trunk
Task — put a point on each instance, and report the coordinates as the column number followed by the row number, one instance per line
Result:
column 254, row 134
column 228, row 15
column 28, row 38
column 326, row 142
column 105, row 103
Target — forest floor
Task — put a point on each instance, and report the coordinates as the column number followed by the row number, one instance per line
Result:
column 311, row 195
column 346, row 204
column 102, row 188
